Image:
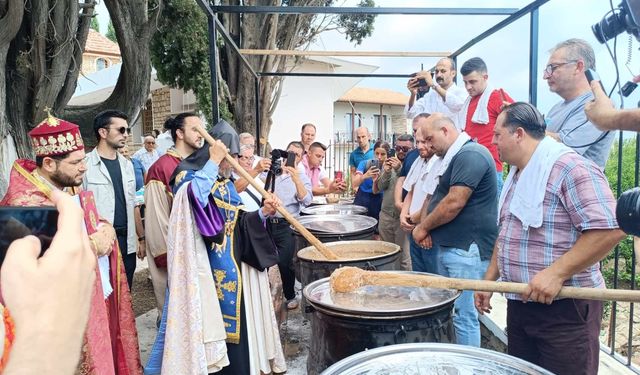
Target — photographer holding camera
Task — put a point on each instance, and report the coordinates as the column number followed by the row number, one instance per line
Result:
column 293, row 188
column 442, row 96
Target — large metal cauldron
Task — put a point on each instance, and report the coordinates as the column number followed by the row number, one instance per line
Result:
column 433, row 359
column 371, row 255
column 330, row 228
column 344, row 324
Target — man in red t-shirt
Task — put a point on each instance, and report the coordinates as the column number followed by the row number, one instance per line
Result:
column 482, row 108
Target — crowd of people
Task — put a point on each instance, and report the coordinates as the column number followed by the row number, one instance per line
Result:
column 209, row 237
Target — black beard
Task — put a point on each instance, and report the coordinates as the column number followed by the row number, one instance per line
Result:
column 62, row 180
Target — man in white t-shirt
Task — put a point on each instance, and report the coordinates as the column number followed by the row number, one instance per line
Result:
column 443, row 96
column 422, row 260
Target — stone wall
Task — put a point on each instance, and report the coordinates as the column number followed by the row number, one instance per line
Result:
column 160, row 106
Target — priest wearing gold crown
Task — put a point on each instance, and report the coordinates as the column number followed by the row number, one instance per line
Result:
column 110, row 343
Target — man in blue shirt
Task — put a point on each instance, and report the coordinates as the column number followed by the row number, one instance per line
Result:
column 364, row 151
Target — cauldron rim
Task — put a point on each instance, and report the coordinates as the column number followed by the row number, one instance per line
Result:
column 351, row 362
column 397, row 249
column 302, row 219
column 373, row 314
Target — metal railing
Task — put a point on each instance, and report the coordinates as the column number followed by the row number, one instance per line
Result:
column 619, row 340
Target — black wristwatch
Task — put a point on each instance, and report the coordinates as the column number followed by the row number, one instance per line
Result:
column 140, row 239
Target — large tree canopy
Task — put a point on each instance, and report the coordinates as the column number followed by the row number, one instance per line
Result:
column 180, row 53
column 41, row 46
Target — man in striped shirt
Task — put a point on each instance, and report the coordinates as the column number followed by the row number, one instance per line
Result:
column 557, row 221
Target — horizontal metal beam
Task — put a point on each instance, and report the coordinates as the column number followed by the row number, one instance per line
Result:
column 500, row 25
column 343, row 53
column 352, row 75
column 361, row 10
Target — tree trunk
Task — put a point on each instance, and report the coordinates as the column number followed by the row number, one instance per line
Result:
column 261, row 31
column 134, row 26
column 41, row 46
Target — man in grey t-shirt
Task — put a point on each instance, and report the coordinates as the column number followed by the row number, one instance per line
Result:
column 566, row 121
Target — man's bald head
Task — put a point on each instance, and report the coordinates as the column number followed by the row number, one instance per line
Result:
column 439, row 132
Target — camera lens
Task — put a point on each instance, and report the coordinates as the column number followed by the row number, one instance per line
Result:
column 609, row 27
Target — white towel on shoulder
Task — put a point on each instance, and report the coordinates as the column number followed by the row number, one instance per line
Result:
column 481, row 115
column 528, row 197
column 440, row 165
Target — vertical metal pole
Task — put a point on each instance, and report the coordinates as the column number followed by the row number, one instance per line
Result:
column 533, row 57
column 213, row 67
column 256, row 87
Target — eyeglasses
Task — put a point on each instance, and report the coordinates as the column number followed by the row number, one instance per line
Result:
column 403, row 148
column 122, row 130
column 247, row 158
column 552, row 67
column 148, row 143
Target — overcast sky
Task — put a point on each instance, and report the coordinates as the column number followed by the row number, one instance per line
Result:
column 506, row 52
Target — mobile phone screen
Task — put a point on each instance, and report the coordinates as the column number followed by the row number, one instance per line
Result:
column 18, row 222
column 291, row 160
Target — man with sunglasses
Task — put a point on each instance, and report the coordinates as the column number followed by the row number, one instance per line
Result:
column 147, row 154
column 567, row 121
column 111, row 178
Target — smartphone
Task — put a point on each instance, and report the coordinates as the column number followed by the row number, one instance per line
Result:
column 18, row 222
column 421, row 82
column 291, row 160
column 373, row 163
column 391, row 153
column 338, row 176
column 591, row 75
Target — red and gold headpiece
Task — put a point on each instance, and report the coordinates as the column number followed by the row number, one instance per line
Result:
column 54, row 136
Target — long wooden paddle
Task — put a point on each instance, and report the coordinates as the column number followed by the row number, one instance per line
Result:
column 292, row 220
column 348, row 279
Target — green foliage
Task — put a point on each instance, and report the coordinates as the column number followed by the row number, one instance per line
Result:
column 358, row 26
column 180, row 50
column 180, row 53
column 95, row 24
column 111, row 32
column 628, row 181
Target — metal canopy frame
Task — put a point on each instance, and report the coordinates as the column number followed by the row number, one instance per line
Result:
column 216, row 26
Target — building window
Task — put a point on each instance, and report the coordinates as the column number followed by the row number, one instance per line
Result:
column 101, row 64
column 380, row 127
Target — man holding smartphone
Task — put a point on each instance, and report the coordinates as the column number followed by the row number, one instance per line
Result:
column 60, row 165
column 320, row 182
column 567, row 121
column 443, row 95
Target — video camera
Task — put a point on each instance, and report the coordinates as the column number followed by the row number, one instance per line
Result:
column 276, row 161
column 627, row 19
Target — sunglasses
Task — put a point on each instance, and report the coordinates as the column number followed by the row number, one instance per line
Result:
column 122, row 130
column 403, row 148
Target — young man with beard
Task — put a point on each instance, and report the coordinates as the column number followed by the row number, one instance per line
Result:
column 320, row 182
column 158, row 197
column 112, row 180
column 111, row 343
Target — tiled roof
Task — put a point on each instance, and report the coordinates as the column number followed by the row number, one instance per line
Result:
column 374, row 96
column 100, row 45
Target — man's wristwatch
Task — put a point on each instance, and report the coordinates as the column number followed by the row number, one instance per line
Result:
column 140, row 239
